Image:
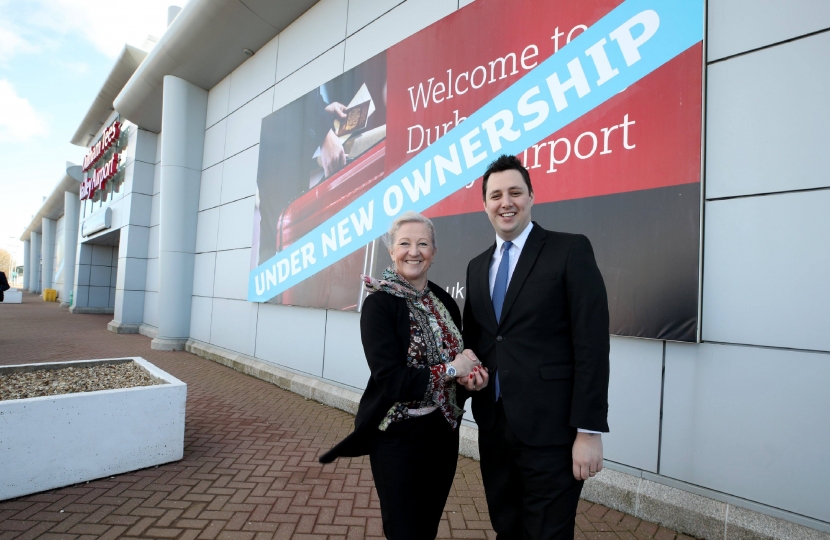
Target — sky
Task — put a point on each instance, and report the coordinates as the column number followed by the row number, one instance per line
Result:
column 54, row 57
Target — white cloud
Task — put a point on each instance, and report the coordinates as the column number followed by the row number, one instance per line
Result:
column 106, row 24
column 78, row 68
column 38, row 24
column 12, row 40
column 19, row 121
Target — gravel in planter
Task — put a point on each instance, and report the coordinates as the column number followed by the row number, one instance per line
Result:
column 69, row 380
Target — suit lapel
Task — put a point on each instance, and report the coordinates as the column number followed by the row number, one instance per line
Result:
column 535, row 241
column 483, row 283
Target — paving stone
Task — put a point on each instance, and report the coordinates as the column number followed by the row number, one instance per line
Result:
column 249, row 469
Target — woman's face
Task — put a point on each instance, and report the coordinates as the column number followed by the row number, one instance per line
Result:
column 412, row 252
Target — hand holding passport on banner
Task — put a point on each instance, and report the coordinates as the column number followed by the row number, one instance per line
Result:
column 348, row 120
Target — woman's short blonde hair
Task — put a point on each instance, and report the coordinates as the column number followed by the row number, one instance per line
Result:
column 408, row 217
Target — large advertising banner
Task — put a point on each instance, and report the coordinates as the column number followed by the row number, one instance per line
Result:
column 600, row 99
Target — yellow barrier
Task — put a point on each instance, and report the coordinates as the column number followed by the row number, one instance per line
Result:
column 50, row 295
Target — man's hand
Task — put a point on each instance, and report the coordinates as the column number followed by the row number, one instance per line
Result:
column 332, row 154
column 587, row 455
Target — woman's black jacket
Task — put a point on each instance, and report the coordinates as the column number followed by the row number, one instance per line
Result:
column 384, row 331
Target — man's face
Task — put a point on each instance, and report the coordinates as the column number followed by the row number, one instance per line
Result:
column 508, row 203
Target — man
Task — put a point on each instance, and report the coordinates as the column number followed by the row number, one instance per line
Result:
column 536, row 314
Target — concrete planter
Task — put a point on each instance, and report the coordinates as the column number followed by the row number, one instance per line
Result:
column 12, row 296
column 55, row 441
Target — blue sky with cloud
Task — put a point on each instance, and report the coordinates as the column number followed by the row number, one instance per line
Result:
column 54, row 57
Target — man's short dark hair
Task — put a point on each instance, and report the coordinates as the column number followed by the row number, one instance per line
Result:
column 505, row 163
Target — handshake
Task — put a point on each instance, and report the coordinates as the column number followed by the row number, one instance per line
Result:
column 469, row 372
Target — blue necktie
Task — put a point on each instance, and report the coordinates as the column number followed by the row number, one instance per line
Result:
column 499, row 291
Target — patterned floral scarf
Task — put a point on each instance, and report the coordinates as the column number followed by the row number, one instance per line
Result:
column 442, row 342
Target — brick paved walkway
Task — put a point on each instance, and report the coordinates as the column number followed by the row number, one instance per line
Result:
column 250, row 467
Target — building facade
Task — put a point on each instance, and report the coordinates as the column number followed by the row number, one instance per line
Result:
column 724, row 433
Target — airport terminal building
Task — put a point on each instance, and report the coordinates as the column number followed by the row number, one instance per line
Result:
column 240, row 173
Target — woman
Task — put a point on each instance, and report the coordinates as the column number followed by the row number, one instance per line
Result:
column 410, row 412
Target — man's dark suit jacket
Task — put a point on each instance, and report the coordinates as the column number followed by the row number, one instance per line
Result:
column 550, row 347
column 384, row 330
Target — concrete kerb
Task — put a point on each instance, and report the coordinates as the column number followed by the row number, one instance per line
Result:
column 121, row 328
column 687, row 512
column 675, row 508
column 92, row 310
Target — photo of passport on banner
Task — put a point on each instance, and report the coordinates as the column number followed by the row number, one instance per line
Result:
column 356, row 119
column 422, row 120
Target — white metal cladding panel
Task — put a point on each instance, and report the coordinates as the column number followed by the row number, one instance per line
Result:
column 82, row 272
column 234, row 325
column 155, row 208
column 750, row 422
column 316, row 31
column 99, row 296
column 462, row 3
column 217, row 107
column 395, row 26
column 139, row 177
column 141, row 146
column 204, row 271
column 239, row 175
column 736, row 26
column 320, row 70
column 215, row 144
column 101, row 255
column 254, row 76
column 130, row 274
column 244, row 123
column 134, row 242
column 151, row 303
column 100, row 276
column 210, row 188
column 153, row 243
column 207, row 226
column 156, row 180
column 236, row 221
column 81, row 297
column 362, row 12
column 129, row 306
column 152, row 283
column 634, row 402
column 231, row 276
column 766, row 268
column 158, row 149
column 767, row 118
column 140, row 208
column 201, row 310
column 293, row 337
column 345, row 361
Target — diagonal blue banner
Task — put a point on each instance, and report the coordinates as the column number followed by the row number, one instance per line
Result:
column 621, row 48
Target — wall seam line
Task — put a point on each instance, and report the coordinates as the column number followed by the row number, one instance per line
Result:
column 772, row 347
column 769, row 46
column 660, row 425
column 768, row 193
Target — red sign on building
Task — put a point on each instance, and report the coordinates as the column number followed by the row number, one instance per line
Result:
column 111, row 134
column 99, row 178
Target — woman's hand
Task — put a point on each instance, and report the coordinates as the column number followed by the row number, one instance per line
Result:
column 476, row 380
